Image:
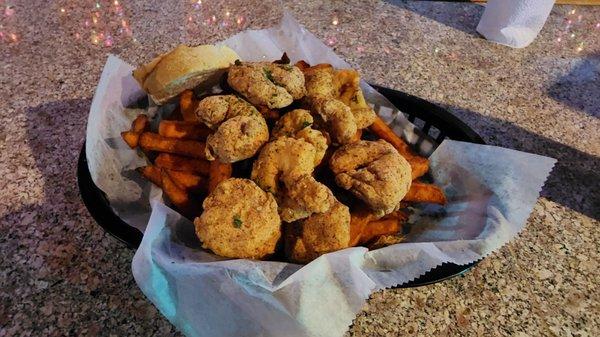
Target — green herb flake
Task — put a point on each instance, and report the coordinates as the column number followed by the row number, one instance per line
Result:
column 238, row 62
column 237, row 222
column 268, row 74
column 287, row 67
column 306, row 124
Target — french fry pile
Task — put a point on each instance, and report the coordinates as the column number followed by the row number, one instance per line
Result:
column 180, row 167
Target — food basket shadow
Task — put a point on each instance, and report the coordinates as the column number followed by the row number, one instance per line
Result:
column 433, row 120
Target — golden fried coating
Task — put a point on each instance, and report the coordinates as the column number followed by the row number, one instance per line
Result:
column 291, row 161
column 303, row 197
column 244, row 226
column 213, row 110
column 374, row 172
column 347, row 83
column 263, row 83
column 237, row 139
column 284, row 158
column 320, row 81
column 318, row 234
column 297, row 124
column 241, row 129
column 321, row 93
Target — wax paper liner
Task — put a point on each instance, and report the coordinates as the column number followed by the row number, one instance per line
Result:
column 490, row 190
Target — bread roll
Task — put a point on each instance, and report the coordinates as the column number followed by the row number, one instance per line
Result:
column 183, row 68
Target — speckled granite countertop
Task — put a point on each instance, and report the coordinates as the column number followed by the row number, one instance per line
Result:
column 60, row 274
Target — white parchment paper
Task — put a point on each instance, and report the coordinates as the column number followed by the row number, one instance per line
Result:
column 490, row 190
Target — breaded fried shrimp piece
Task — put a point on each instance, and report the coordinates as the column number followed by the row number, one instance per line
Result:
column 240, row 129
column 318, row 234
column 374, row 172
column 261, row 83
column 297, row 124
column 240, row 220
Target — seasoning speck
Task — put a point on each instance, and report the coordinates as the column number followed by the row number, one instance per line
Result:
column 237, row 222
column 268, row 74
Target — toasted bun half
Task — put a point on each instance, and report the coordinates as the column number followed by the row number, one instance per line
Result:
column 167, row 75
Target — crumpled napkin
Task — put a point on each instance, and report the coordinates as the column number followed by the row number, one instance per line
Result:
column 514, row 23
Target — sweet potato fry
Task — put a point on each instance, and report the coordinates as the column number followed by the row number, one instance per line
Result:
column 217, row 173
column 178, row 196
column 385, row 240
column 131, row 138
column 364, row 226
column 419, row 165
column 386, row 133
column 188, row 182
column 184, row 164
column 188, row 105
column 390, row 224
column 183, row 130
column 155, row 142
column 421, row 192
column 151, row 173
column 140, row 124
column 359, row 219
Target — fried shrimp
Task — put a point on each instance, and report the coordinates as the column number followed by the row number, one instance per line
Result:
column 213, row 110
column 297, row 124
column 270, row 84
column 284, row 167
column 303, row 197
column 320, row 92
column 347, row 83
column 240, row 128
column 318, row 234
column 374, row 172
column 246, row 226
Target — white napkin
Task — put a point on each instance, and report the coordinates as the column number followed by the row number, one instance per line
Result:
column 514, row 23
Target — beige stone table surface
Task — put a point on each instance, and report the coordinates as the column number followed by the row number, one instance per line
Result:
column 61, row 275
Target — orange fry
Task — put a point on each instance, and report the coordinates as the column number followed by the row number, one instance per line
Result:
column 155, row 142
column 151, row 173
column 183, row 130
column 184, row 164
column 140, row 124
column 358, row 222
column 178, row 196
column 390, row 224
column 131, row 138
column 419, row 165
column 187, row 181
column 386, row 133
column 188, row 105
column 421, row 192
column 217, row 173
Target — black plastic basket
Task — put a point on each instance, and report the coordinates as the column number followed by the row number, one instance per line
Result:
column 438, row 123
